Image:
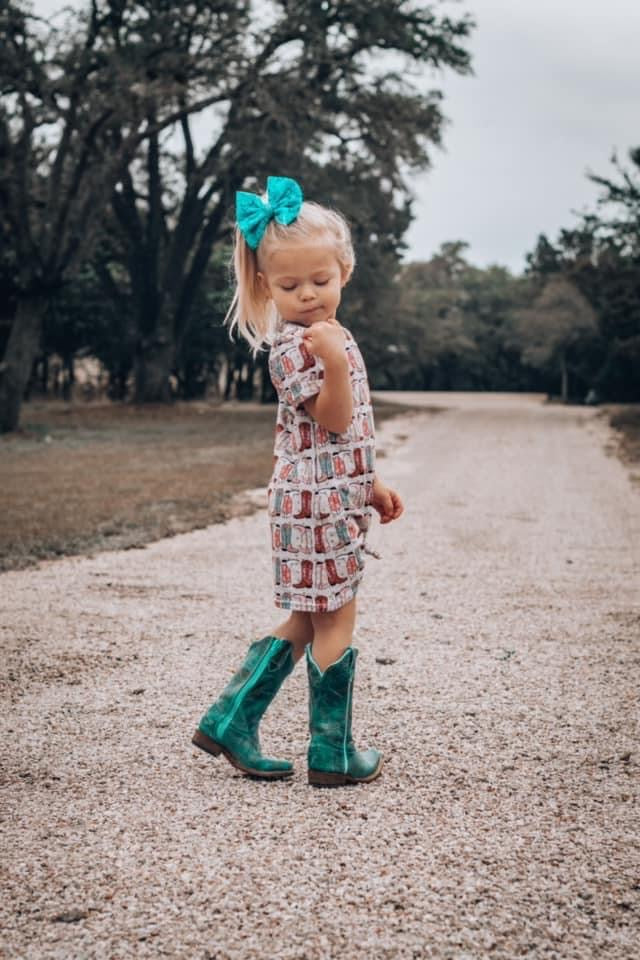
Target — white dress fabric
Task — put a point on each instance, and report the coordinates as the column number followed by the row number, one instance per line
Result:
column 322, row 484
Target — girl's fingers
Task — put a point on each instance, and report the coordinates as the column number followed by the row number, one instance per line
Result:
column 382, row 513
column 390, row 507
column 386, row 505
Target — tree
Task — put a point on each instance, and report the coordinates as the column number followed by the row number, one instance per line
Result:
column 57, row 102
column 616, row 229
column 600, row 256
column 491, row 297
column 320, row 92
column 75, row 109
column 558, row 322
column 620, row 205
column 453, row 326
column 434, row 335
column 544, row 259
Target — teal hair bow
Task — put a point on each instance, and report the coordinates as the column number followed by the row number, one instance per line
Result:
column 284, row 199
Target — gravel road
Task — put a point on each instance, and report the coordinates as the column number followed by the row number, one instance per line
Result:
column 499, row 671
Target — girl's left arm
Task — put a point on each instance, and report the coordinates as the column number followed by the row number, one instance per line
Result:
column 386, row 501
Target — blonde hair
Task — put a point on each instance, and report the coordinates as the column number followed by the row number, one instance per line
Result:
column 251, row 312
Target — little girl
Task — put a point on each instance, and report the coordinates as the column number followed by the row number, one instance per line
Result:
column 292, row 258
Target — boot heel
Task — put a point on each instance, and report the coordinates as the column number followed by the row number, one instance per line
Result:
column 322, row 778
column 201, row 740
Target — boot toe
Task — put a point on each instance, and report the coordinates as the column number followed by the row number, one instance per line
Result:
column 365, row 763
column 272, row 765
column 250, row 758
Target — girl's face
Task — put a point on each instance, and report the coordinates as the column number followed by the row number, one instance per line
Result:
column 304, row 281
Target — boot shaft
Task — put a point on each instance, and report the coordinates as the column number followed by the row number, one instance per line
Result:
column 252, row 688
column 330, row 711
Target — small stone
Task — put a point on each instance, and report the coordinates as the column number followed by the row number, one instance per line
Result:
column 70, row 916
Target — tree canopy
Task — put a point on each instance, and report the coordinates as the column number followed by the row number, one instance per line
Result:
column 100, row 114
column 126, row 130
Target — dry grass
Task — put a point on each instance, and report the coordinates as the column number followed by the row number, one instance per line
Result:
column 76, row 479
column 626, row 420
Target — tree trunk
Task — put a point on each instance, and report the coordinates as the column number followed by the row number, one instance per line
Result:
column 16, row 366
column 117, row 385
column 228, row 387
column 69, row 378
column 45, row 375
column 564, row 388
column 153, row 366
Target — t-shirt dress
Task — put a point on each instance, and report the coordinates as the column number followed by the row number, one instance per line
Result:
column 321, row 489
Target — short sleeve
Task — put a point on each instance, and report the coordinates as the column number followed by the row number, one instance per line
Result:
column 296, row 373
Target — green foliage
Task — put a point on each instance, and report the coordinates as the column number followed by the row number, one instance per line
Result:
column 328, row 93
column 556, row 328
column 206, row 338
column 601, row 258
column 451, row 328
column 81, row 321
column 77, row 101
column 116, row 208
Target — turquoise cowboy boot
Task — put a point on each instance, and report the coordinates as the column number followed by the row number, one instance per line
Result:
column 333, row 758
column 230, row 725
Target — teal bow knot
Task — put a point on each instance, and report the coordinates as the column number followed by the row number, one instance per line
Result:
column 253, row 214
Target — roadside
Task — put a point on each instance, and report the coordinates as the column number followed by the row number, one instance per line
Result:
column 625, row 420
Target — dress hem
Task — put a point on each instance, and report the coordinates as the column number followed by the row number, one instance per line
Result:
column 302, row 605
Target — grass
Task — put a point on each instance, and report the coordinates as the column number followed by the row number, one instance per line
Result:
column 81, row 478
column 626, row 421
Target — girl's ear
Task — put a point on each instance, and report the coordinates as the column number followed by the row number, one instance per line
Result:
column 263, row 285
column 345, row 273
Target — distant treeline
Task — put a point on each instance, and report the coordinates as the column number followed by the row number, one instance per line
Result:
column 116, row 207
column 570, row 325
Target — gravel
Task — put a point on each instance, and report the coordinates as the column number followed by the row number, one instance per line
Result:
column 499, row 666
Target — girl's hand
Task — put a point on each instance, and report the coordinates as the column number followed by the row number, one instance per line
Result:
column 386, row 501
column 325, row 339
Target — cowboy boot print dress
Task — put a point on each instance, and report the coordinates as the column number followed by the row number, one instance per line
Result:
column 321, row 489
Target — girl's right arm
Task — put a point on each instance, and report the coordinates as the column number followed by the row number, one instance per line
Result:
column 332, row 407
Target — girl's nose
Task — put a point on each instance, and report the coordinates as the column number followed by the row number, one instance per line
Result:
column 307, row 292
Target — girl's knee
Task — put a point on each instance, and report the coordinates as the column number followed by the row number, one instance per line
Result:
column 301, row 618
column 302, row 623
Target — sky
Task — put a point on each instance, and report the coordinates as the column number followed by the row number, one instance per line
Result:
column 555, row 89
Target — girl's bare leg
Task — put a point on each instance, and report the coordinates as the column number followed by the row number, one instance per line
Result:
column 298, row 629
column 332, row 633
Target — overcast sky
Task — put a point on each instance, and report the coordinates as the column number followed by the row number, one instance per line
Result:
column 556, row 87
